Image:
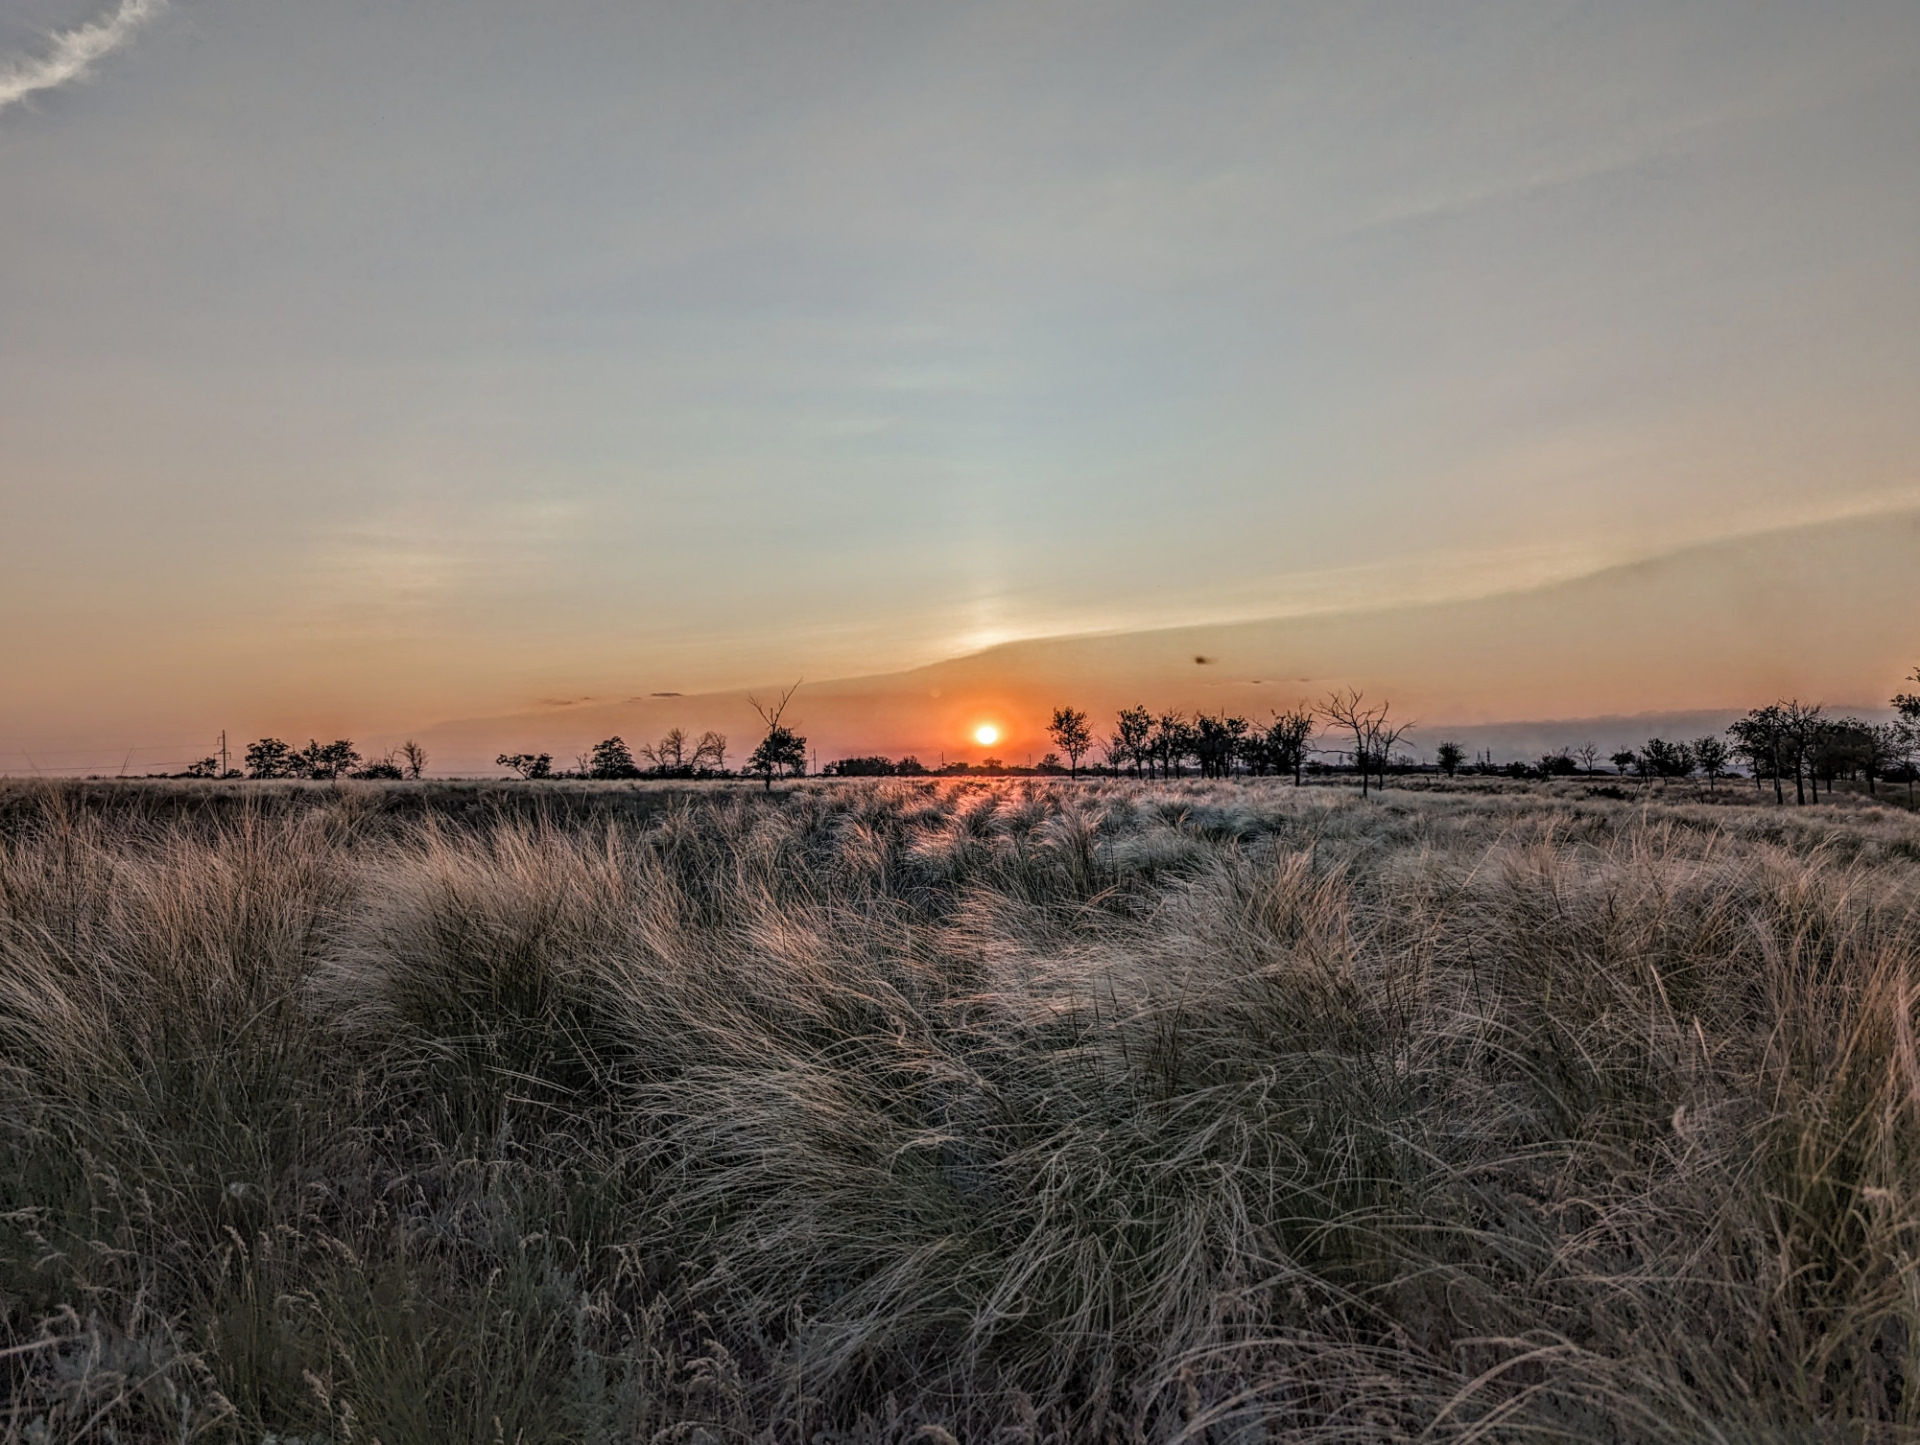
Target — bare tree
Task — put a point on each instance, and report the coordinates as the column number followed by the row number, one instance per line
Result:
column 1587, row 754
column 413, row 758
column 1349, row 712
column 710, row 753
column 1385, row 737
column 669, row 755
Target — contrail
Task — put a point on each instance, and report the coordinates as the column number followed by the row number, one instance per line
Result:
column 73, row 51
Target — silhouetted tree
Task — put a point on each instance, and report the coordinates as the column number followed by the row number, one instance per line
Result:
column 1449, row 756
column 1710, row 755
column 611, row 758
column 270, row 758
column 1906, row 762
column 1907, row 704
column 782, row 749
column 1170, row 742
column 1557, row 765
column 413, row 758
column 668, row 757
column 1852, row 748
column 1387, row 737
column 710, row 753
column 1662, row 759
column 1625, row 761
column 1348, row 711
column 1132, row 737
column 1587, row 755
column 1760, row 738
column 1778, row 741
column 326, row 760
column 1804, row 728
column 1907, row 731
column 1069, row 729
column 528, row 765
column 1287, row 738
column 1881, row 751
column 870, row 767
column 1216, row 741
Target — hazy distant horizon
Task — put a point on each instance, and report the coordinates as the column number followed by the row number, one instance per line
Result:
column 1706, row 632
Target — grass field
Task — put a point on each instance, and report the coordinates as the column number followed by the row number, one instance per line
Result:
column 896, row 1112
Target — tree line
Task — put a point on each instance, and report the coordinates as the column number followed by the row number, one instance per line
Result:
column 1782, row 742
column 272, row 758
column 678, row 754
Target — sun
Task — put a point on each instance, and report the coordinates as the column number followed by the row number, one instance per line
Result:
column 986, row 735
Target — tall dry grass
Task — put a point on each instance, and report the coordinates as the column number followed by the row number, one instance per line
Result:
column 906, row 1112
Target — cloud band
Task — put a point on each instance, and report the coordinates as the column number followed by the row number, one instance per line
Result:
column 73, row 51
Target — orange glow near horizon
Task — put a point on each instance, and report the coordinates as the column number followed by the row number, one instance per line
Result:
column 986, row 735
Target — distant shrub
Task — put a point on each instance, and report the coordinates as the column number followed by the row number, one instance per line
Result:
column 873, row 767
column 529, row 765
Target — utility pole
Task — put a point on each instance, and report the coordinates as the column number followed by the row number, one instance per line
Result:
column 223, row 752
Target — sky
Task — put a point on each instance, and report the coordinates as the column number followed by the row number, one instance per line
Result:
column 369, row 366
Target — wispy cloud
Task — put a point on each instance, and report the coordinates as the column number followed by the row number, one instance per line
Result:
column 73, row 51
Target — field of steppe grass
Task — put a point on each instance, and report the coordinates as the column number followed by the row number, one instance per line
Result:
column 955, row 1112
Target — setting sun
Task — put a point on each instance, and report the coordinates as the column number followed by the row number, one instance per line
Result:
column 986, row 735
